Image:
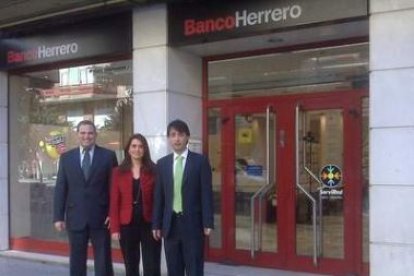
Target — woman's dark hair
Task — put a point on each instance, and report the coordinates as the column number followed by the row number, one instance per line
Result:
column 147, row 163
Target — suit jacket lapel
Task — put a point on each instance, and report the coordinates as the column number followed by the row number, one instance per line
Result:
column 76, row 159
column 187, row 168
column 170, row 175
column 95, row 160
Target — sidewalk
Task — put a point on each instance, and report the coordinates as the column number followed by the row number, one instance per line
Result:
column 14, row 263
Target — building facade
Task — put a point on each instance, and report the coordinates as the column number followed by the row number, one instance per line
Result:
column 303, row 110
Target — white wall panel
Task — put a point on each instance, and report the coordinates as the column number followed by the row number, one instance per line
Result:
column 187, row 108
column 150, row 113
column 390, row 5
column 150, row 26
column 150, row 69
column 395, row 260
column 391, row 40
column 392, row 100
column 390, row 218
column 391, row 156
column 184, row 72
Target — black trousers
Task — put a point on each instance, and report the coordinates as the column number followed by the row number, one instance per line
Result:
column 184, row 252
column 101, row 244
column 133, row 236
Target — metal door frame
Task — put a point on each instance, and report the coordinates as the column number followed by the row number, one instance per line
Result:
column 286, row 109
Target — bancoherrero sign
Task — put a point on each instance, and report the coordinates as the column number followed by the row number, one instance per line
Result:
column 92, row 38
column 212, row 21
column 42, row 52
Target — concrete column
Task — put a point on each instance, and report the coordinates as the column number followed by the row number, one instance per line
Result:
column 167, row 81
column 4, row 183
column 391, row 137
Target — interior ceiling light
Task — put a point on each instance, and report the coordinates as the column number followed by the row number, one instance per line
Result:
column 217, row 78
column 345, row 65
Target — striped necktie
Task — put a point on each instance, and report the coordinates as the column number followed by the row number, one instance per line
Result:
column 86, row 163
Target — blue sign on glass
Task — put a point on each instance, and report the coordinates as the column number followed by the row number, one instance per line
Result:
column 331, row 176
column 254, row 170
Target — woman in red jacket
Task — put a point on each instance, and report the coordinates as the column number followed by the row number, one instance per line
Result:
column 131, row 208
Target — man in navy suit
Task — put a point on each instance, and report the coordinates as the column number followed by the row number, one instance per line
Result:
column 183, row 204
column 81, row 201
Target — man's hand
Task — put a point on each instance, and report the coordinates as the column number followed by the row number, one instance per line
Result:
column 107, row 223
column 156, row 234
column 115, row 236
column 60, row 226
column 207, row 231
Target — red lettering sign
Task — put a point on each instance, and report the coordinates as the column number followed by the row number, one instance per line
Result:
column 193, row 27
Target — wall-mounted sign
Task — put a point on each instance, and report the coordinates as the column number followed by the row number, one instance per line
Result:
column 111, row 36
column 217, row 20
column 254, row 170
column 332, row 194
column 245, row 135
column 331, row 176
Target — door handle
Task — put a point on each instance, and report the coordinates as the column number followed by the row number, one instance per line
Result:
column 316, row 238
column 282, row 137
column 260, row 192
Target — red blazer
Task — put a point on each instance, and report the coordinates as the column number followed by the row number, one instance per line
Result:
column 120, row 209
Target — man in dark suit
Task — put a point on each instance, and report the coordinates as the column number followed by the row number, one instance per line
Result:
column 183, row 204
column 81, row 201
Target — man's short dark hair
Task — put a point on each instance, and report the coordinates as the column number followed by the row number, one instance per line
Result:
column 179, row 126
column 85, row 123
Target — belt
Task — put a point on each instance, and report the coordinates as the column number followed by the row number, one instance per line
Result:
column 178, row 214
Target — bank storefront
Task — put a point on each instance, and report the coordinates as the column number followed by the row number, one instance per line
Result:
column 285, row 103
column 275, row 93
column 56, row 78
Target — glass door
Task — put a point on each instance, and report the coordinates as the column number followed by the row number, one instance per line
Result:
column 242, row 152
column 320, row 191
column 255, row 187
column 288, row 182
column 328, row 184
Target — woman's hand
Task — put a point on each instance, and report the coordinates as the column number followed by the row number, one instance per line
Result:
column 156, row 234
column 60, row 226
column 207, row 231
column 116, row 236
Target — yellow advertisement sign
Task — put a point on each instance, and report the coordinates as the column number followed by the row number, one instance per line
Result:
column 245, row 135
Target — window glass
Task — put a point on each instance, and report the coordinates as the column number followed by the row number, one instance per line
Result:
column 305, row 71
column 45, row 107
column 74, row 74
column 64, row 76
column 83, row 75
column 321, row 145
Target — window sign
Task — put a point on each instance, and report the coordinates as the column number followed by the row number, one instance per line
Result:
column 89, row 39
column 194, row 23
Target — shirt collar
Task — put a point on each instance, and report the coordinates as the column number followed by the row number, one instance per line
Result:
column 92, row 149
column 184, row 154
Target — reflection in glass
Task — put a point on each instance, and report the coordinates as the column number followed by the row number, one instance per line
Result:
column 313, row 70
column 45, row 107
column 321, row 144
column 250, row 168
column 214, row 154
